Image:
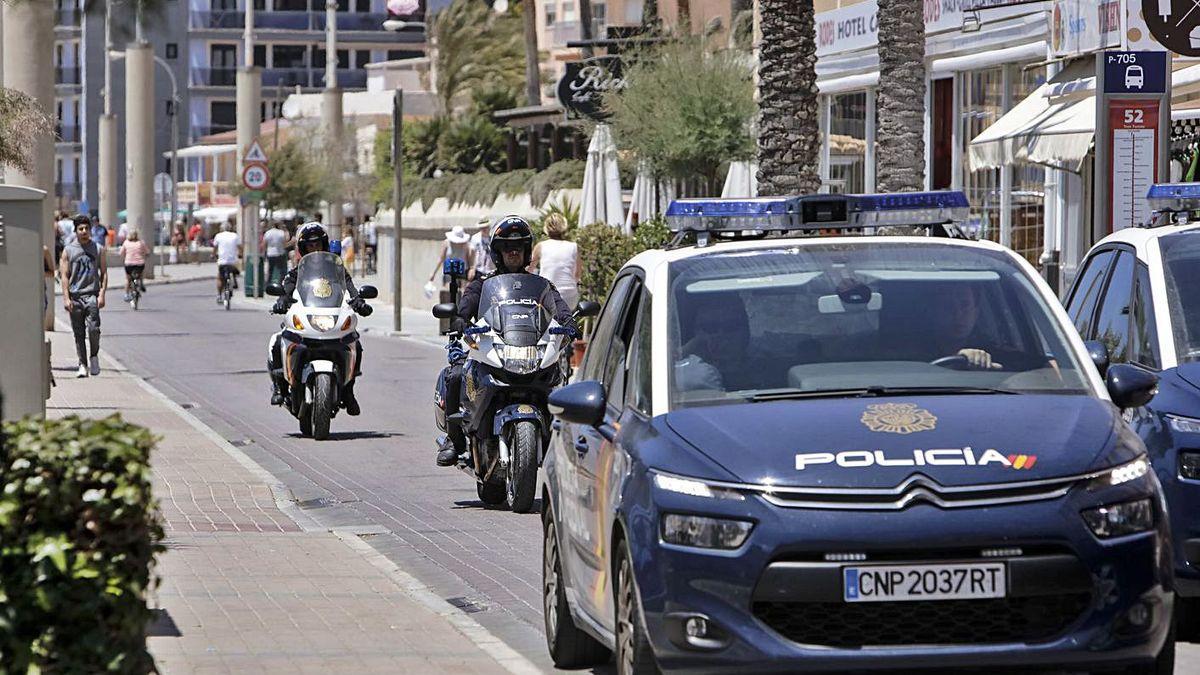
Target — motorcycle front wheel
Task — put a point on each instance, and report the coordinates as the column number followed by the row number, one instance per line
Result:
column 521, row 485
column 322, row 405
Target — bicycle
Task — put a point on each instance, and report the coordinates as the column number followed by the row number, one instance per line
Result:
column 227, row 281
column 136, row 287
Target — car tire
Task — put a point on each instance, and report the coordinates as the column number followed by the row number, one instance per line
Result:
column 569, row 646
column 634, row 655
column 1163, row 664
column 490, row 493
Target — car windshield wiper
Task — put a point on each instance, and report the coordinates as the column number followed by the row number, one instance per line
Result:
column 794, row 394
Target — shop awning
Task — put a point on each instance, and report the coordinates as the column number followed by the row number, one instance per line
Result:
column 1038, row 131
column 203, row 151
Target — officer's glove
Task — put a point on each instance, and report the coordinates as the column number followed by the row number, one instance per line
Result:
column 569, row 329
column 359, row 305
column 455, row 353
column 281, row 306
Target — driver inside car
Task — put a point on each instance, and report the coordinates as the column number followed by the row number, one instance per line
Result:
column 958, row 331
column 511, row 249
column 717, row 340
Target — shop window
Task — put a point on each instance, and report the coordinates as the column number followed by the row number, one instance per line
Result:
column 848, row 142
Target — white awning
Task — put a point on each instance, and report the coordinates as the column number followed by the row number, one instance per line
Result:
column 215, row 214
column 204, row 151
column 1034, row 51
column 838, row 85
column 1037, row 131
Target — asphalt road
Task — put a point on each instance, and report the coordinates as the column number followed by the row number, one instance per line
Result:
column 376, row 472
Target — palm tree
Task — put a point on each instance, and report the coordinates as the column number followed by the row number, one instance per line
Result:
column 533, row 73
column 475, row 47
column 901, row 137
column 650, row 20
column 788, row 136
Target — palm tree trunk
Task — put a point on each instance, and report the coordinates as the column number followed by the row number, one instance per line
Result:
column 650, row 20
column 585, row 27
column 788, row 135
column 901, row 136
column 533, row 75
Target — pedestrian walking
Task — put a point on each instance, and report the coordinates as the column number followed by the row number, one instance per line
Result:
column 455, row 247
column 274, row 245
column 348, row 252
column 99, row 232
column 370, row 239
column 65, row 226
column 179, row 242
column 480, row 262
column 557, row 259
column 133, row 253
column 83, row 273
column 194, row 234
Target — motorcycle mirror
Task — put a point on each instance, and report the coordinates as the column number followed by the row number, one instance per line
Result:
column 274, row 288
column 587, row 308
column 1130, row 386
column 445, row 310
column 1098, row 353
column 579, row 403
column 368, row 292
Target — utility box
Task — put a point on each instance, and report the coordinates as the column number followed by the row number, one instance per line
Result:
column 24, row 356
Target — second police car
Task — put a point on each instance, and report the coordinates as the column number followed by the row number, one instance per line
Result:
column 1137, row 296
column 823, row 453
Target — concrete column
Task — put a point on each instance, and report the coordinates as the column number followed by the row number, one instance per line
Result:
column 107, row 165
column 139, row 145
column 1006, row 171
column 331, row 127
column 27, row 46
column 249, row 97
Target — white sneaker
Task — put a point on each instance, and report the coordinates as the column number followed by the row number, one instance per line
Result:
column 83, row 371
column 95, row 365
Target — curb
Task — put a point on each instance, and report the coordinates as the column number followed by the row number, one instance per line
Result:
column 507, row 657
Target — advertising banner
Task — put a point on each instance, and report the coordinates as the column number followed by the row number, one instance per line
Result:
column 1084, row 26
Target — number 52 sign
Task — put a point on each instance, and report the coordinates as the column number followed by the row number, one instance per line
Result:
column 1133, row 140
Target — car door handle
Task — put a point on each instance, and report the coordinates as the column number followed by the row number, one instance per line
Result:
column 581, row 444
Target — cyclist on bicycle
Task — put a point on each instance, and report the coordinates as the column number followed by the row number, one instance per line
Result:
column 227, row 246
column 133, row 252
column 309, row 238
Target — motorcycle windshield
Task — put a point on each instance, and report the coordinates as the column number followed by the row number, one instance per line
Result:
column 517, row 307
column 321, row 280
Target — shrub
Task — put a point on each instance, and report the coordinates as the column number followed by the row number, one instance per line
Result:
column 603, row 249
column 472, row 143
column 484, row 188
column 79, row 531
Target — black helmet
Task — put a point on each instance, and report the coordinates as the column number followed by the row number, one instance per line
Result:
column 312, row 237
column 511, row 231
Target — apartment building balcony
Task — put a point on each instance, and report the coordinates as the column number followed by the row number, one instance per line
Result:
column 68, row 133
column 308, row 78
column 69, row 17
column 199, row 131
column 287, row 20
column 213, row 77
column 67, row 75
column 563, row 32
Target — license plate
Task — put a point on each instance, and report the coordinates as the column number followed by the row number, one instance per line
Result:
column 899, row 583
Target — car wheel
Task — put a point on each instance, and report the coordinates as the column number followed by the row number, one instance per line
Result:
column 634, row 655
column 569, row 647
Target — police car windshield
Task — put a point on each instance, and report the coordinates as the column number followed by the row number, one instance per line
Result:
column 1181, row 268
column 861, row 316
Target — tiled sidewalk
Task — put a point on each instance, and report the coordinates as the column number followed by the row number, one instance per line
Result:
column 244, row 587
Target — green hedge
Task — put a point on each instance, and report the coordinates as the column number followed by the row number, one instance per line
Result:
column 484, row 188
column 604, row 249
column 79, row 531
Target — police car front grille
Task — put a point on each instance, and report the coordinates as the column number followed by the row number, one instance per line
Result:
column 932, row 622
column 918, row 489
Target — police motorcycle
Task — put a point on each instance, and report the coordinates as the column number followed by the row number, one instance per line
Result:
column 513, row 360
column 319, row 341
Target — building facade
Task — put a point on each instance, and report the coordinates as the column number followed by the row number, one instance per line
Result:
column 199, row 42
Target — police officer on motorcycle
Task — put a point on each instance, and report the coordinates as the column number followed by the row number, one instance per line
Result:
column 511, row 250
column 311, row 237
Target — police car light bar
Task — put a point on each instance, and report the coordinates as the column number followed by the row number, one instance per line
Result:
column 1173, row 203
column 812, row 213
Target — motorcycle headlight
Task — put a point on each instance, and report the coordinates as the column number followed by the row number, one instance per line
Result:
column 521, row 360
column 1115, row 520
column 322, row 322
column 704, row 532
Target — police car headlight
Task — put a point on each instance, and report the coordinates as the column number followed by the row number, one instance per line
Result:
column 1115, row 520
column 521, row 360
column 695, row 488
column 704, row 532
column 1125, row 473
column 322, row 322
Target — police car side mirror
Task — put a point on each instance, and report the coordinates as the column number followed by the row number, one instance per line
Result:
column 587, row 308
column 445, row 310
column 579, row 403
column 1130, row 386
column 368, row 292
column 1098, row 353
column 275, row 289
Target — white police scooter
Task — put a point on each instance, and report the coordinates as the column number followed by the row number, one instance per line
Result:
column 319, row 344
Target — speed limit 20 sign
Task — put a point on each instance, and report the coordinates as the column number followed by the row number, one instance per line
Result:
column 255, row 177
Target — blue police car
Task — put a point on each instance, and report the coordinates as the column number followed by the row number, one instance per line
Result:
column 826, row 433
column 1137, row 295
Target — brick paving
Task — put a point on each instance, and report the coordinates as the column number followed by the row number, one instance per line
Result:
column 244, row 587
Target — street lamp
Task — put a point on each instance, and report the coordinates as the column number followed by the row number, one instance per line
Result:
column 117, row 55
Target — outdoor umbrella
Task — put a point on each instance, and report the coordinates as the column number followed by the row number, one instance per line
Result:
column 650, row 197
column 742, row 180
column 602, row 182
